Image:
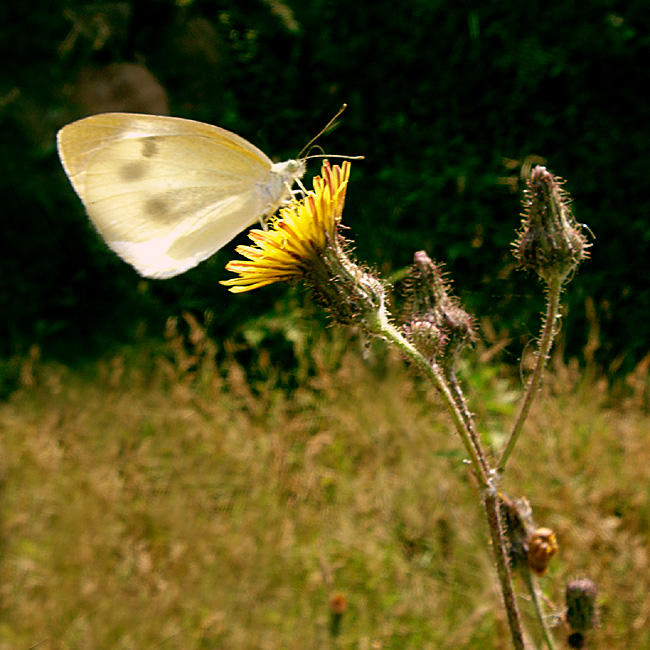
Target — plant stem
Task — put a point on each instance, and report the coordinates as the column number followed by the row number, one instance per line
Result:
column 469, row 421
column 382, row 327
column 491, row 504
column 545, row 343
column 487, row 478
column 530, row 582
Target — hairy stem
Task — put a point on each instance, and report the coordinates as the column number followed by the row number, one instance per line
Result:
column 465, row 426
column 531, row 585
column 467, row 416
column 434, row 373
column 545, row 343
column 491, row 504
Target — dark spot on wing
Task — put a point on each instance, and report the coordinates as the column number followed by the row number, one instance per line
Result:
column 149, row 147
column 133, row 171
column 158, row 208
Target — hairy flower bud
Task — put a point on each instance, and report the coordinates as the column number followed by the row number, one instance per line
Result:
column 550, row 241
column 351, row 295
column 426, row 336
column 438, row 326
column 581, row 605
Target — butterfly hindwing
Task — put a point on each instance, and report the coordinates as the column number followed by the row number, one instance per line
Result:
column 166, row 193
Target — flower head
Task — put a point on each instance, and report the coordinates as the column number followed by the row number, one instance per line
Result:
column 297, row 238
column 304, row 242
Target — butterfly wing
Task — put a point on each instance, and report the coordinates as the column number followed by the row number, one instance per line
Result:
column 165, row 193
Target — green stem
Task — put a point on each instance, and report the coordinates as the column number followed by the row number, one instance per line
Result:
column 545, row 343
column 380, row 325
column 491, row 504
column 530, row 582
column 467, row 416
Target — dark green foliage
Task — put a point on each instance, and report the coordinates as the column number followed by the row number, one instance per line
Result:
column 439, row 93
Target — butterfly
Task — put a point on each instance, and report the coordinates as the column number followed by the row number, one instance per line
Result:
column 166, row 193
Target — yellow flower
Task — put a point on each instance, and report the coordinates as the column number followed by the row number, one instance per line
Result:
column 297, row 238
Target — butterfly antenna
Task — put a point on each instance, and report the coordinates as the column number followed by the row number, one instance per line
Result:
column 330, row 125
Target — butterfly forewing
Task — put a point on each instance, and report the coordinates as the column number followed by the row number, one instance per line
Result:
column 165, row 193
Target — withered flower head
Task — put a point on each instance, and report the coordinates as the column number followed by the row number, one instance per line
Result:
column 542, row 546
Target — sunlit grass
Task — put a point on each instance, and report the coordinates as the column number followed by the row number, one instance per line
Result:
column 161, row 503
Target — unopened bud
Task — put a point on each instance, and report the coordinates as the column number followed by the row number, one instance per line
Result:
column 550, row 241
column 426, row 336
column 581, row 605
column 338, row 607
column 438, row 326
column 528, row 547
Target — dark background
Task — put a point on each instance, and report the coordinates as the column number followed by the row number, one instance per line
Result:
column 446, row 101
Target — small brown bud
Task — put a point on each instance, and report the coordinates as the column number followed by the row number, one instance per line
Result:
column 338, row 607
column 542, row 546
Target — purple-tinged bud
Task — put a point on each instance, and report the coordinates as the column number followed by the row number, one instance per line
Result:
column 581, row 613
column 550, row 241
column 438, row 326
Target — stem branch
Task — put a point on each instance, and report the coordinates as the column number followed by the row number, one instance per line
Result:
column 434, row 373
column 529, row 580
column 491, row 503
column 545, row 343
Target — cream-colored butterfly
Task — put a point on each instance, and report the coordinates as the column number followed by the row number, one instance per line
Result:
column 166, row 193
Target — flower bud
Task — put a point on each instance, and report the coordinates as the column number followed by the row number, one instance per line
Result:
column 528, row 546
column 351, row 295
column 550, row 241
column 438, row 326
column 581, row 605
column 426, row 336
column 338, row 607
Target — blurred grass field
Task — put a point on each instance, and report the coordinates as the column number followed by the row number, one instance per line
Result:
column 158, row 501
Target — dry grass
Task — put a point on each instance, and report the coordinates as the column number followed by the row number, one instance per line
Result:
column 159, row 503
